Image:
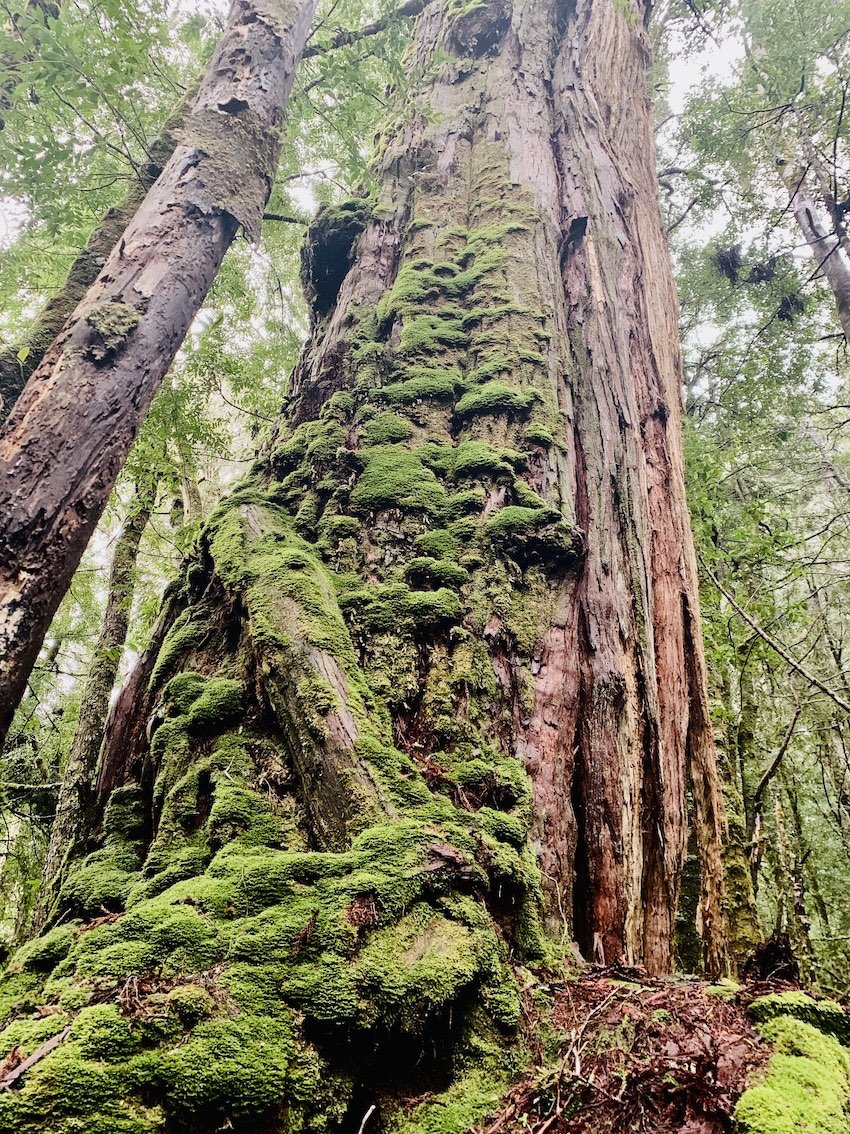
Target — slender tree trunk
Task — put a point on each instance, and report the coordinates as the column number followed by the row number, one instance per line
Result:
column 735, row 758
column 68, row 436
column 793, row 916
column 193, row 507
column 76, row 794
column 825, row 247
column 434, row 683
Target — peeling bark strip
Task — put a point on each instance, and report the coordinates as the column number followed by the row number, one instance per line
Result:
column 70, row 432
column 642, row 722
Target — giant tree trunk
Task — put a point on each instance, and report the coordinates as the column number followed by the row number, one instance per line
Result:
column 71, row 430
column 435, row 684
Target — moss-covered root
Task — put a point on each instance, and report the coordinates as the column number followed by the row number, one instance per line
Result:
column 806, row 1088
column 245, row 982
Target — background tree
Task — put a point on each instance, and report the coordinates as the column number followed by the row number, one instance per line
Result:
column 71, row 431
column 766, row 373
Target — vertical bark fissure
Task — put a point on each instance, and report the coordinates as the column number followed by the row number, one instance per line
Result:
column 646, row 719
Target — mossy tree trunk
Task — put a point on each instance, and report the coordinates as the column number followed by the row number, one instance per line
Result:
column 429, row 700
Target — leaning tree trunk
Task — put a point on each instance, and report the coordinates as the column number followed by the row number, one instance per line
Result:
column 70, row 432
column 20, row 361
column 76, row 792
column 825, row 247
column 434, row 685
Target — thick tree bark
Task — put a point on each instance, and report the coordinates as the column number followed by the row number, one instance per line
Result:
column 434, row 683
column 68, row 436
column 76, row 794
column 643, row 723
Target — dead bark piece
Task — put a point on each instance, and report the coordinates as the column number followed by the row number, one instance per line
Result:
column 773, row 960
column 11, row 1077
column 69, row 434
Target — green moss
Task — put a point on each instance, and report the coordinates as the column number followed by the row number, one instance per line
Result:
column 395, row 477
column 43, row 953
column 461, row 505
column 474, row 459
column 806, row 1089
column 440, row 572
column 191, row 1004
column 725, row 989
column 101, row 1032
column 182, row 691
column 534, row 535
column 538, row 434
column 103, row 881
column 29, row 1034
column 113, row 323
column 393, row 606
column 472, row 1097
column 424, row 383
column 496, row 398
column 439, row 544
column 186, row 635
column 516, row 521
column 825, row 1015
column 386, row 429
column 219, row 705
column 428, row 334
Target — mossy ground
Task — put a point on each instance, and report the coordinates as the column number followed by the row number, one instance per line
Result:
column 806, row 1086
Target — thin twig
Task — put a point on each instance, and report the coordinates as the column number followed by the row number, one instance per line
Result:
column 777, row 647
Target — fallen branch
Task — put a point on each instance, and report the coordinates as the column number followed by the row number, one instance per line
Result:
column 11, row 1077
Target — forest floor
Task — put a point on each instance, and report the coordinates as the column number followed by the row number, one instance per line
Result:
column 637, row 1056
